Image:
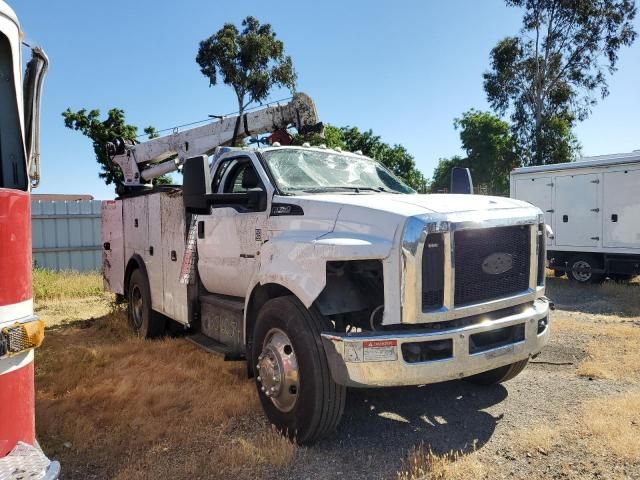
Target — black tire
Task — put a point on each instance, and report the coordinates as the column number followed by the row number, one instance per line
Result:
column 500, row 374
column 578, row 269
column 319, row 401
column 142, row 319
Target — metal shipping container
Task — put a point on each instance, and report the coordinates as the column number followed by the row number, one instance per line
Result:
column 66, row 234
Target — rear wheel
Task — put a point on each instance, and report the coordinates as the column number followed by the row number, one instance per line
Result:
column 293, row 379
column 144, row 321
column 500, row 374
column 580, row 269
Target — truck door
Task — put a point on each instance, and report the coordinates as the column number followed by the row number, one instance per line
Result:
column 539, row 192
column 621, row 208
column 230, row 237
column 577, row 210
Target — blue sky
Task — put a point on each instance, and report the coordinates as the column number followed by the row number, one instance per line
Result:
column 405, row 69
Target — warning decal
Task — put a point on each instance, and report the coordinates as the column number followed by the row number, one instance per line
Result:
column 380, row 350
column 371, row 351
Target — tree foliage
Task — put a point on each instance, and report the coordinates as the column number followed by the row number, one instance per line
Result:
column 251, row 61
column 490, row 149
column 550, row 76
column 396, row 158
column 103, row 131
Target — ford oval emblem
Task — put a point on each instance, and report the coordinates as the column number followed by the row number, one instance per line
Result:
column 497, row 263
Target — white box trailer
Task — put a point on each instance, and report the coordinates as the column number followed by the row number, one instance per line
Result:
column 593, row 208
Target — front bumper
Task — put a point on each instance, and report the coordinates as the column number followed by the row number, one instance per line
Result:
column 385, row 363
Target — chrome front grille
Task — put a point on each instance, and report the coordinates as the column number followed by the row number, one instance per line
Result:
column 455, row 266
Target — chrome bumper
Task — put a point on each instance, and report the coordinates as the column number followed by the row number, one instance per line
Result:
column 352, row 368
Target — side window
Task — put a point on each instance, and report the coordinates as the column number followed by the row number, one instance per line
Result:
column 13, row 167
column 222, row 168
column 242, row 178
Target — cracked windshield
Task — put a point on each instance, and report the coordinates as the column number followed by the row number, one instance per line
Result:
column 311, row 171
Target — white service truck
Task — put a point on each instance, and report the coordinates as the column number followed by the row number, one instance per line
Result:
column 322, row 269
column 593, row 208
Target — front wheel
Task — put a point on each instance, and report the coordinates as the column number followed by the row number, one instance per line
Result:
column 500, row 374
column 293, row 379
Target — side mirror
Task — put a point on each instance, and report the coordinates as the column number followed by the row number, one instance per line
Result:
column 196, row 184
column 461, row 181
column 257, row 199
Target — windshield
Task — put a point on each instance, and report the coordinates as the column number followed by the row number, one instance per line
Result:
column 309, row 171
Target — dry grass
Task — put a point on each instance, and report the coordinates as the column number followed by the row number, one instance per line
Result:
column 609, row 298
column 423, row 464
column 613, row 348
column 49, row 285
column 111, row 405
column 541, row 438
column 613, row 424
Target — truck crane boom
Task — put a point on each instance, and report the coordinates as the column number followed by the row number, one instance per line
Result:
column 142, row 162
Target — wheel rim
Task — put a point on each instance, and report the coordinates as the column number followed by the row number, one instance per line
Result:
column 277, row 368
column 137, row 305
column 581, row 271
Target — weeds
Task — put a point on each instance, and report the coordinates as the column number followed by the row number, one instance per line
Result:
column 49, row 285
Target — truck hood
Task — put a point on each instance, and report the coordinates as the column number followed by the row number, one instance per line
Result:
column 417, row 204
column 382, row 216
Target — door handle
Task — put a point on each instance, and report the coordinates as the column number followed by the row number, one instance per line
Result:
column 595, row 238
column 614, row 217
column 595, row 210
column 565, row 218
column 200, row 229
column 550, row 211
column 174, row 256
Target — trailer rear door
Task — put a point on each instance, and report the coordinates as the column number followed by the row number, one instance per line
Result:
column 577, row 210
column 622, row 209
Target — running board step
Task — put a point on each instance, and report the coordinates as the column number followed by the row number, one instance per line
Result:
column 215, row 347
column 233, row 304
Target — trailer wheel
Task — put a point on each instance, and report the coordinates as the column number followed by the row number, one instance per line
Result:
column 292, row 376
column 144, row 321
column 580, row 269
column 500, row 374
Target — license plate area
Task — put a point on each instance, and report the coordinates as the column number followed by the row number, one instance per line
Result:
column 501, row 337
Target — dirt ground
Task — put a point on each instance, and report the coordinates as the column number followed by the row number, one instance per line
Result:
column 110, row 405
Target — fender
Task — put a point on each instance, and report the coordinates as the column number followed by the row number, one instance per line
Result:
column 135, row 261
column 297, row 261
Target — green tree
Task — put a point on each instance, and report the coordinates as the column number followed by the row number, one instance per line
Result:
column 396, row 158
column 550, row 76
column 490, row 149
column 103, row 131
column 251, row 61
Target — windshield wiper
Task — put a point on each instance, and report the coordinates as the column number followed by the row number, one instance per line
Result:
column 344, row 187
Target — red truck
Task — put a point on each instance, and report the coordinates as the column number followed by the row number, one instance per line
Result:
column 20, row 330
